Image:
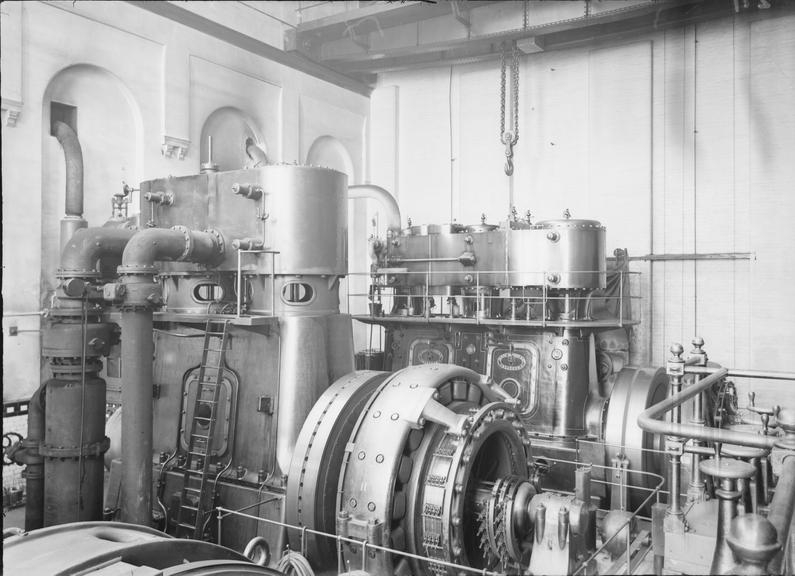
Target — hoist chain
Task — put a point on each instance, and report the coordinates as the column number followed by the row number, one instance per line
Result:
column 509, row 138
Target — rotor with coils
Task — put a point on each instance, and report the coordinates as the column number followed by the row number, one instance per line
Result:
column 504, row 527
column 417, row 455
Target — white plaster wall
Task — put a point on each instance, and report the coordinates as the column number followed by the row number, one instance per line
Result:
column 174, row 77
column 679, row 141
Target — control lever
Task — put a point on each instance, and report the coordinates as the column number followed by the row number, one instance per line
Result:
column 764, row 413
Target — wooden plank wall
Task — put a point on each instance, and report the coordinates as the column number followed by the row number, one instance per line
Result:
column 679, row 141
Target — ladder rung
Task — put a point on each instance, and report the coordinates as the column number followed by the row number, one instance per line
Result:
column 191, row 489
column 191, row 508
column 200, row 436
column 213, row 349
column 186, row 525
column 197, row 453
column 203, row 401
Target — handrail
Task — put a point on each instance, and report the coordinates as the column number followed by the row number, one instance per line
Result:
column 650, row 419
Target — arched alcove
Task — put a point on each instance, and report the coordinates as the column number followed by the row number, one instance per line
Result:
column 110, row 129
column 230, row 129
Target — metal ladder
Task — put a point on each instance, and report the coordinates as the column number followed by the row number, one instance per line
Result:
column 197, row 490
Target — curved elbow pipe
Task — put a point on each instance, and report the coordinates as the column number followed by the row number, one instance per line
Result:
column 178, row 243
column 256, row 153
column 87, row 246
column 383, row 197
column 73, row 155
column 650, row 420
column 137, row 350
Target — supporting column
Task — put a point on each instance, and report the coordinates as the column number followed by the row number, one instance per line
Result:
column 726, row 471
column 675, row 369
column 697, row 487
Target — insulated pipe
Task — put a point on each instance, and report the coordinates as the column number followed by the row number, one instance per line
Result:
column 383, row 197
column 136, row 435
column 178, row 243
column 142, row 295
column 34, row 472
column 781, row 512
column 86, row 246
column 73, row 155
column 650, row 419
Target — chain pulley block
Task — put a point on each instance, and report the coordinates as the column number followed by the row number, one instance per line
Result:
column 509, row 137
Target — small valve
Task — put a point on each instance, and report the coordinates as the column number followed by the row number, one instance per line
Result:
column 162, row 198
column 566, row 214
column 250, row 191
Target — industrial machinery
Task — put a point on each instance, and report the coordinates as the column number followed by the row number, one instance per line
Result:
column 501, row 429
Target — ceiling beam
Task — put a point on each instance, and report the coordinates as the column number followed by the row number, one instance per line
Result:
column 382, row 15
column 250, row 44
column 571, row 32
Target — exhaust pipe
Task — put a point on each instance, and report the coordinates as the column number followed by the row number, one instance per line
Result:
column 73, row 155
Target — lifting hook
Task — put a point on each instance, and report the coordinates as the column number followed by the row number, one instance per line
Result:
column 509, row 140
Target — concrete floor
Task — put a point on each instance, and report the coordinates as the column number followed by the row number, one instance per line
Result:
column 14, row 517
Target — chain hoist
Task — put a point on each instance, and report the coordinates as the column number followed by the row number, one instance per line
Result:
column 509, row 137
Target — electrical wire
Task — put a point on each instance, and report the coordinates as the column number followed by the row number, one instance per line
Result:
column 450, row 125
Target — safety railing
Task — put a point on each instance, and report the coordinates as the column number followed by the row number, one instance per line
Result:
column 654, row 492
column 222, row 513
column 476, row 297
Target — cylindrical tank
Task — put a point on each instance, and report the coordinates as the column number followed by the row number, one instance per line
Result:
column 307, row 219
column 563, row 254
column 73, row 483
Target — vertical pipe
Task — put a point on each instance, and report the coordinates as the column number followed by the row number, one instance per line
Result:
column 34, row 472
column 136, row 437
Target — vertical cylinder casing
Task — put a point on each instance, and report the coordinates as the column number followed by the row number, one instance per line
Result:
column 73, row 487
column 303, row 375
column 307, row 219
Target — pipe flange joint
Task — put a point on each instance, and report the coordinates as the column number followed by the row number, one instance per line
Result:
column 220, row 245
column 141, row 270
column 141, row 293
column 67, row 273
column 188, row 242
column 89, row 450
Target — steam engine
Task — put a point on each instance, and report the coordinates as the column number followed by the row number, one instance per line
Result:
column 499, row 429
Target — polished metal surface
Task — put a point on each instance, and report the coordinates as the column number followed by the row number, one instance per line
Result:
column 507, row 412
